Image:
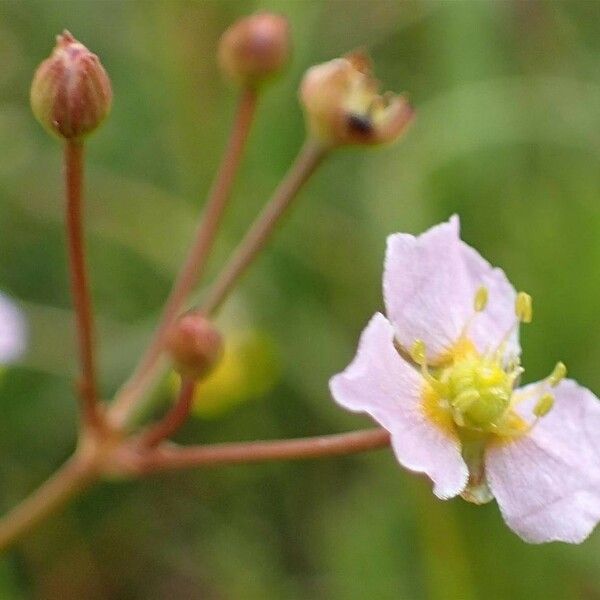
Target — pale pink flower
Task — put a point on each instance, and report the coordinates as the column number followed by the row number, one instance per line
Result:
column 440, row 373
column 12, row 331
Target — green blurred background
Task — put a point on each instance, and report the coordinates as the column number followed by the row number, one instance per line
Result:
column 508, row 136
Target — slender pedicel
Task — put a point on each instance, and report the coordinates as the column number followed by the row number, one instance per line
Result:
column 70, row 96
column 310, row 157
column 82, row 301
column 173, row 458
column 195, row 262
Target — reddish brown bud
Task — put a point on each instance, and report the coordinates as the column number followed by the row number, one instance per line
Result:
column 195, row 345
column 343, row 106
column 255, row 48
column 71, row 93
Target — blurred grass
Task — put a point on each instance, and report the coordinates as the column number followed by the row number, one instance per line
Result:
column 508, row 136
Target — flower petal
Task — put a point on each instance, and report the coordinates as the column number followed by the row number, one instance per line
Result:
column 426, row 289
column 547, row 482
column 490, row 326
column 429, row 286
column 12, row 331
column 381, row 383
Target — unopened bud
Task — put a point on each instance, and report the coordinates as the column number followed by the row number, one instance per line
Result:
column 71, row 93
column 195, row 345
column 255, row 48
column 343, row 106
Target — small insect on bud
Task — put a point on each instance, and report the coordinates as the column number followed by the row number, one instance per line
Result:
column 342, row 104
column 255, row 48
column 195, row 345
column 71, row 93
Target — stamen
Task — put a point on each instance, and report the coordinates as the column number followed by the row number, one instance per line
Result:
column 523, row 307
column 544, row 405
column 481, row 299
column 417, row 352
column 500, row 349
column 514, row 372
column 559, row 373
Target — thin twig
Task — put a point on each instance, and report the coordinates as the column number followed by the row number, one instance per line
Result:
column 310, row 157
column 79, row 284
column 173, row 420
column 169, row 457
column 197, row 257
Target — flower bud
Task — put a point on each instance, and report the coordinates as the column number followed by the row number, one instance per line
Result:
column 195, row 345
column 342, row 105
column 71, row 92
column 255, row 48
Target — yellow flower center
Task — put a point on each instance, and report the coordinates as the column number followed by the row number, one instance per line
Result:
column 469, row 395
column 473, row 392
column 478, row 391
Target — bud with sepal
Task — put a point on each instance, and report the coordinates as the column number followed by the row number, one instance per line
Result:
column 71, row 94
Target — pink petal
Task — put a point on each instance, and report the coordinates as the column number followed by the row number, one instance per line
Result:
column 381, row 383
column 547, row 482
column 429, row 286
column 12, row 331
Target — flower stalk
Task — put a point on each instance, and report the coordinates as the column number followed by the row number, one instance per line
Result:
column 82, row 302
column 309, row 158
column 169, row 458
column 197, row 257
column 72, row 478
column 174, row 419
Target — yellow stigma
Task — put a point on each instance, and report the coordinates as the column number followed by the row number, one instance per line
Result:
column 481, row 299
column 524, row 308
column 558, row 374
column 478, row 390
column 544, row 405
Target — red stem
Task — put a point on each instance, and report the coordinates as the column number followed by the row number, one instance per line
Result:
column 172, row 457
column 74, row 156
column 174, row 419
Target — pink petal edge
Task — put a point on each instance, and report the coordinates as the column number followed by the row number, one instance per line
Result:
column 547, row 483
column 429, row 286
column 382, row 384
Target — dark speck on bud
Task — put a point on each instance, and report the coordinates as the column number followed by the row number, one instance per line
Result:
column 71, row 93
column 255, row 48
column 343, row 106
column 360, row 124
column 195, row 345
